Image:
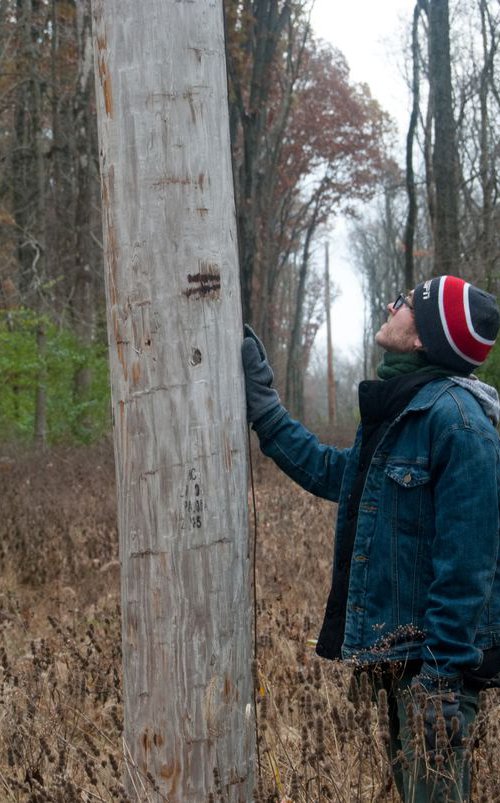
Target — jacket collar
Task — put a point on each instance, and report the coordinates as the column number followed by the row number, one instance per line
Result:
column 427, row 395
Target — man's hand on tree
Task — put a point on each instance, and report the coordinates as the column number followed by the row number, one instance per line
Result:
column 261, row 397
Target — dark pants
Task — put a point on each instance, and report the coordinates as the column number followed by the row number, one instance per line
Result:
column 420, row 778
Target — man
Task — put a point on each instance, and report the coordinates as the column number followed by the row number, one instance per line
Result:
column 415, row 597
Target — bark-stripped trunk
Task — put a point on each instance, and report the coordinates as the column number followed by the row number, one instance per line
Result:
column 175, row 329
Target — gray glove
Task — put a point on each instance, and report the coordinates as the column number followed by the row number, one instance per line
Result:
column 261, row 397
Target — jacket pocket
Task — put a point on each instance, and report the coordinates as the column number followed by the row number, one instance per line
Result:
column 408, row 500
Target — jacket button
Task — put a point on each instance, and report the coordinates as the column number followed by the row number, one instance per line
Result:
column 407, row 478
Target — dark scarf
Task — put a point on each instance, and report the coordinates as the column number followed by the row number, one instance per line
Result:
column 382, row 400
column 394, row 365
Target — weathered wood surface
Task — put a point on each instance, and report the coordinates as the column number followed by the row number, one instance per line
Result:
column 178, row 397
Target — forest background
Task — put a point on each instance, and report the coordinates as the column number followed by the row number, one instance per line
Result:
column 309, row 145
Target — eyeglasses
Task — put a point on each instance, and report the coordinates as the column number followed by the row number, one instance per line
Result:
column 400, row 301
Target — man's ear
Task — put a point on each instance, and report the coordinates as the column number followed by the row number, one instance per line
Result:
column 417, row 344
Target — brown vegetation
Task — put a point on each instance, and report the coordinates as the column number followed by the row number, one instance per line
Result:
column 60, row 675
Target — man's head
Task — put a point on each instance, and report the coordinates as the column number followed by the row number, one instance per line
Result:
column 452, row 321
column 399, row 333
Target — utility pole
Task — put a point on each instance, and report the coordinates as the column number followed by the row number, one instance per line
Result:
column 332, row 399
column 174, row 322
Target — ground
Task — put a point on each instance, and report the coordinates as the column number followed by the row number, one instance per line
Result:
column 61, row 721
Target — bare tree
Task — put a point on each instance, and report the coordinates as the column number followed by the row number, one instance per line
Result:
column 260, row 26
column 295, row 367
column 175, row 328
column 303, row 136
column 29, row 185
column 379, row 255
column 478, row 103
column 488, row 92
column 411, row 220
column 445, row 167
column 83, row 295
column 330, row 369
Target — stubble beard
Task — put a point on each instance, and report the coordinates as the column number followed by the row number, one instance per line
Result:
column 400, row 342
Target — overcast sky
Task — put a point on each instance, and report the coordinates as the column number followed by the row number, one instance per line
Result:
column 371, row 36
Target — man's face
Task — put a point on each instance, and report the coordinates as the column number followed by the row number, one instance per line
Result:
column 399, row 334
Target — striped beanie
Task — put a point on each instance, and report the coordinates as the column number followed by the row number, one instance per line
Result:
column 456, row 322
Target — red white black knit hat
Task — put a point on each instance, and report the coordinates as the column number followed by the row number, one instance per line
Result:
column 456, row 322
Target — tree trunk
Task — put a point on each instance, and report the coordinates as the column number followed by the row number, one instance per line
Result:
column 266, row 21
column 40, row 425
column 411, row 220
column 27, row 160
column 29, row 182
column 83, row 301
column 175, row 329
column 332, row 401
column 446, row 244
column 488, row 254
column 294, row 393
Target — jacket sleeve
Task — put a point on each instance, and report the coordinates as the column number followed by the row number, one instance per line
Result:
column 315, row 466
column 464, row 550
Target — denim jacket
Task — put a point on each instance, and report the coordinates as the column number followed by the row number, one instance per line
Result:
column 425, row 571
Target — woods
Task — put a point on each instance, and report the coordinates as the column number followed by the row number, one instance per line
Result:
column 308, row 145
column 441, row 214
column 290, row 177
column 51, row 265
column 302, row 146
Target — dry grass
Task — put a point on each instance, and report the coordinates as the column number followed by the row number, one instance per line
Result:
column 60, row 677
column 315, row 744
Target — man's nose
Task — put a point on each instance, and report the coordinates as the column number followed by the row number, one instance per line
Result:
column 390, row 308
